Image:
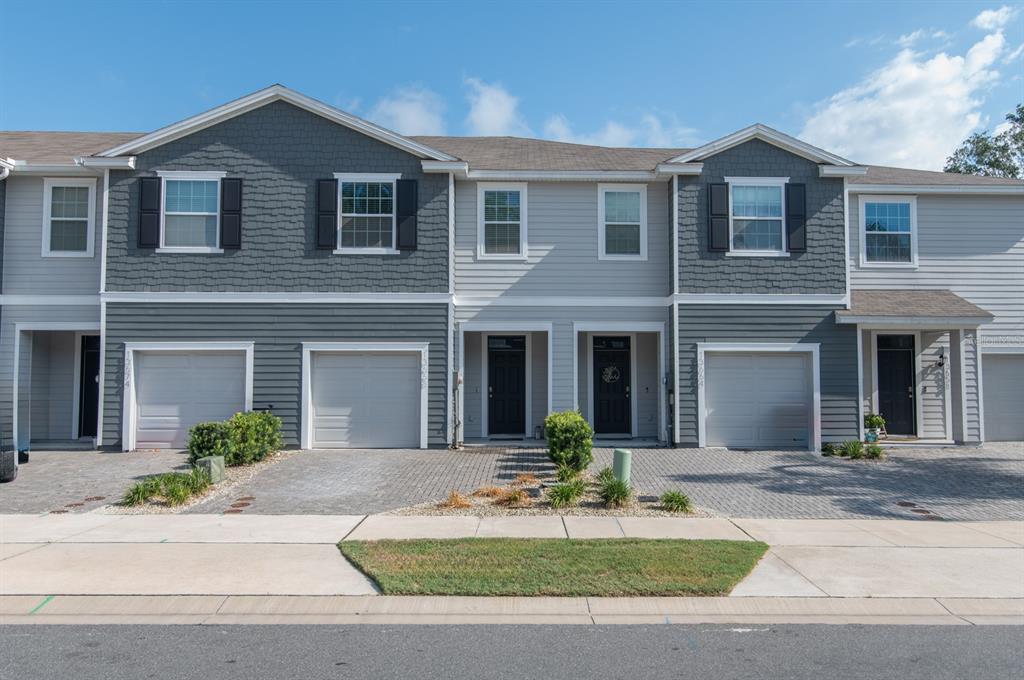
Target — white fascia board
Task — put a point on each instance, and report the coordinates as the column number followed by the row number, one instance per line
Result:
column 6, row 165
column 760, row 299
column 765, row 134
column 266, row 96
column 459, row 168
column 119, row 163
column 564, row 175
column 916, row 322
column 997, row 189
column 842, row 171
column 680, row 168
column 58, row 169
column 50, row 300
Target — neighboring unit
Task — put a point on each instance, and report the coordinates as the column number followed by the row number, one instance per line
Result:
column 375, row 290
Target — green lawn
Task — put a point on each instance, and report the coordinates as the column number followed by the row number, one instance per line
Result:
column 568, row 567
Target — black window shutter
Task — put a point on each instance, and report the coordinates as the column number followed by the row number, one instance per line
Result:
column 327, row 214
column 718, row 217
column 796, row 218
column 231, row 213
column 405, row 213
column 149, row 212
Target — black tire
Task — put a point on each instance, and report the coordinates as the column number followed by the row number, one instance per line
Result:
column 8, row 466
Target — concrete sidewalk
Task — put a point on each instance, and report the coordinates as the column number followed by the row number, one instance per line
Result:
column 202, row 568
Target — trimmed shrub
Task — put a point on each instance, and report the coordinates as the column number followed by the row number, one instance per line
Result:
column 852, row 449
column 676, row 501
column 615, row 493
column 874, row 451
column 570, row 440
column 253, row 434
column 209, row 439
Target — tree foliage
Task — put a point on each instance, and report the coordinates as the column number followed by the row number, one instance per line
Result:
column 993, row 155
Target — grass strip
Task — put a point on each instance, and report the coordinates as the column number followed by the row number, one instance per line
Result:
column 554, row 567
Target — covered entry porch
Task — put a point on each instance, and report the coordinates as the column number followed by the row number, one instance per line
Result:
column 920, row 364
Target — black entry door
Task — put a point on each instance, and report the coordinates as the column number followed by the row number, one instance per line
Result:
column 89, row 391
column 896, row 383
column 506, row 384
column 612, row 412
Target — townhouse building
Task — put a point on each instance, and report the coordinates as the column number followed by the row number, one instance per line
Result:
column 376, row 290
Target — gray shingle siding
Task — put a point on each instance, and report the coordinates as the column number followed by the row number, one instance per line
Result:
column 278, row 331
column 819, row 270
column 3, row 212
column 279, row 151
column 771, row 323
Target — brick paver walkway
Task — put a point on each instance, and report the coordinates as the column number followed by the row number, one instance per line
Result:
column 984, row 483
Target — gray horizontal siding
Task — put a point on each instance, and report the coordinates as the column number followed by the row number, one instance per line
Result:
column 278, row 331
column 972, row 245
column 25, row 270
column 562, row 232
column 279, row 151
column 769, row 323
column 819, row 270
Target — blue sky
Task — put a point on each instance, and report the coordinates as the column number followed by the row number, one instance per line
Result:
column 897, row 83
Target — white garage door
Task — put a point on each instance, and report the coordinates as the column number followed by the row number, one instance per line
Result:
column 365, row 400
column 176, row 390
column 1003, row 378
column 758, row 400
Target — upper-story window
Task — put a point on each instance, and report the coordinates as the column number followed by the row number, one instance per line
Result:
column 501, row 215
column 756, row 210
column 69, row 213
column 366, row 213
column 889, row 231
column 189, row 221
column 622, row 222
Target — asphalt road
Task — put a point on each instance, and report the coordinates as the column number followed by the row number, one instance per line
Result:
column 481, row 652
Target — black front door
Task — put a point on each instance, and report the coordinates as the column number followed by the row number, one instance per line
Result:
column 896, row 383
column 89, row 390
column 506, row 384
column 612, row 412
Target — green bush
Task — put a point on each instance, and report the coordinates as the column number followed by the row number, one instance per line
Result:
column 564, row 473
column 208, row 439
column 873, row 451
column 852, row 449
column 676, row 501
column 564, row 495
column 615, row 493
column 570, row 440
column 605, row 475
column 873, row 421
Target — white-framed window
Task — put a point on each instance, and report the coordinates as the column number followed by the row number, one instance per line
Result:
column 888, row 228
column 69, row 217
column 190, row 211
column 757, row 222
column 366, row 213
column 622, row 221
column 501, row 221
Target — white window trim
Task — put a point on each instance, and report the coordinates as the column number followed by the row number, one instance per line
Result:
column 601, row 222
column 370, row 177
column 309, row 348
column 193, row 175
column 862, row 199
column 481, row 187
column 128, row 403
column 780, row 182
column 811, row 348
column 49, row 183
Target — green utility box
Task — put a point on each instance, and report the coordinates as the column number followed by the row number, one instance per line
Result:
column 621, row 464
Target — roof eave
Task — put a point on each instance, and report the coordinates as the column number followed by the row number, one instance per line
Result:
column 916, row 322
column 261, row 98
column 998, row 189
column 765, row 134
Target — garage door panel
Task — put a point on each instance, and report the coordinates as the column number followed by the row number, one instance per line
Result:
column 1003, row 378
column 176, row 390
column 757, row 400
column 365, row 400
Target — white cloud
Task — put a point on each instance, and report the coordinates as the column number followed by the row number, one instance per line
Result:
column 493, row 111
column 1012, row 56
column 410, row 110
column 909, row 39
column 914, row 110
column 652, row 130
column 994, row 19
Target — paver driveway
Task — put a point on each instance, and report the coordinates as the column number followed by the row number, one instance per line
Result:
column 984, row 483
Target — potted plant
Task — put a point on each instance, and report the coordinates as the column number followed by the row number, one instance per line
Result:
column 873, row 424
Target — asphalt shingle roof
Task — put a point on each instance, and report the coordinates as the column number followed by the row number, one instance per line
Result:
column 58, row 147
column 880, row 174
column 910, row 303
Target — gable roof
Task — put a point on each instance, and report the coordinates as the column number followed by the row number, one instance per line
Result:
column 521, row 153
column 263, row 97
column 765, row 134
column 881, row 174
column 58, row 147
